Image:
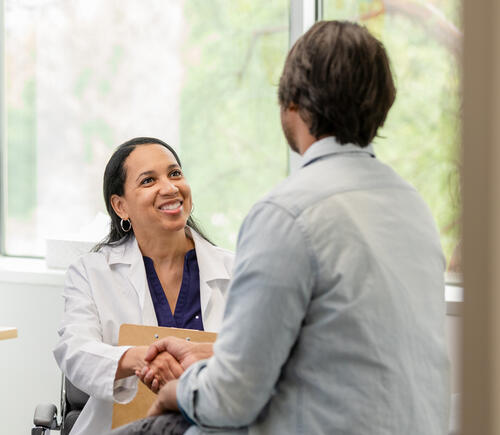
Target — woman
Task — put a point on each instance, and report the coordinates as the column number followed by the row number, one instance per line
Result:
column 154, row 268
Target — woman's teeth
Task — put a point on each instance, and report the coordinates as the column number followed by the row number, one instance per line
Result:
column 172, row 206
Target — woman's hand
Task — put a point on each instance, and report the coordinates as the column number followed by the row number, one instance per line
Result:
column 168, row 358
column 131, row 362
column 185, row 352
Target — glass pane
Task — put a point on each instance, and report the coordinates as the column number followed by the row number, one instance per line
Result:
column 421, row 136
column 83, row 76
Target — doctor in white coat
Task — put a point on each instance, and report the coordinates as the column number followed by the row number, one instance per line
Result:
column 149, row 202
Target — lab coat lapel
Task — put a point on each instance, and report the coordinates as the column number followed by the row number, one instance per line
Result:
column 213, row 270
column 131, row 255
column 137, row 277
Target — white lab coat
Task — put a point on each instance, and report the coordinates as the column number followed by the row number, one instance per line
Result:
column 106, row 289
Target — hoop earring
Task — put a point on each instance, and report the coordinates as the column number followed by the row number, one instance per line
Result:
column 129, row 227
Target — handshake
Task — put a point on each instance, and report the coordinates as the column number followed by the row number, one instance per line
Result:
column 166, row 359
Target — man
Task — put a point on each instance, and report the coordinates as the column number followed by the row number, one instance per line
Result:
column 335, row 317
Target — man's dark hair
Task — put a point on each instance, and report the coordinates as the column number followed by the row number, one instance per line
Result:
column 339, row 76
column 114, row 184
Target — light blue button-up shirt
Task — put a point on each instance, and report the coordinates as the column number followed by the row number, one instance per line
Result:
column 335, row 317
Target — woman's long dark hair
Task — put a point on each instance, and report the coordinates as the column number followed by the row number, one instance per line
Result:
column 114, row 184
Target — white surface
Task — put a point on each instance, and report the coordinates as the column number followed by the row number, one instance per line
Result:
column 454, row 293
column 61, row 253
column 29, row 374
column 63, row 250
column 28, row 271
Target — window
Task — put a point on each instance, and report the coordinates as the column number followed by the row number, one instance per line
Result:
column 83, row 76
column 421, row 137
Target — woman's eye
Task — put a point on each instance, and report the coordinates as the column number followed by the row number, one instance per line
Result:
column 176, row 173
column 147, row 180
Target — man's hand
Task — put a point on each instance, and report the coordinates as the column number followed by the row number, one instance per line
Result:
column 168, row 358
column 166, row 400
column 158, row 372
column 185, row 352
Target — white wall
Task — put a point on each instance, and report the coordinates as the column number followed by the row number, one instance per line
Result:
column 28, row 372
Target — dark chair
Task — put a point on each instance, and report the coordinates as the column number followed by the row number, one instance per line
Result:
column 72, row 402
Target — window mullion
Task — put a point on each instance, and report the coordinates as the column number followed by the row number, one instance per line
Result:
column 303, row 14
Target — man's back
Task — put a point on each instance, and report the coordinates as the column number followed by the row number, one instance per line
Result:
column 370, row 357
column 335, row 317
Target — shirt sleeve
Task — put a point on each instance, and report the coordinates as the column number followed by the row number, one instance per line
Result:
column 88, row 362
column 268, row 298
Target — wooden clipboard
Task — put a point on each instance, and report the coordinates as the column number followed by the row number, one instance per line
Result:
column 139, row 335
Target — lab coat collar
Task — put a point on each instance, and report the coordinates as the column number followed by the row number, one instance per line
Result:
column 214, row 271
column 210, row 259
column 328, row 146
column 124, row 253
column 211, row 264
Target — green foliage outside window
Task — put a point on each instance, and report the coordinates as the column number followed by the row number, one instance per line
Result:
column 231, row 142
column 421, row 137
column 21, row 155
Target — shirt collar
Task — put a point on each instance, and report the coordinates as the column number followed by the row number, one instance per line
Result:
column 329, row 145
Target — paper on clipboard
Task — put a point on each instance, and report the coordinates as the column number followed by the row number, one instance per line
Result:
column 139, row 335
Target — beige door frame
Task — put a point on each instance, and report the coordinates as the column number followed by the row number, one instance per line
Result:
column 481, row 218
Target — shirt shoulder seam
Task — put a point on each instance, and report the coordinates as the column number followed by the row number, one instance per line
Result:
column 304, row 234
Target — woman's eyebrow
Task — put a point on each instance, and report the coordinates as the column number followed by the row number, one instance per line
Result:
column 144, row 173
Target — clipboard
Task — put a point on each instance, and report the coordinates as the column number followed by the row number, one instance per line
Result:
column 139, row 335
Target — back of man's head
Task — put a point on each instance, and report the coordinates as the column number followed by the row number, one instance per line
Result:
column 339, row 76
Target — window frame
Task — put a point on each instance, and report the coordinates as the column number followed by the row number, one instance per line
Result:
column 303, row 14
column 3, row 136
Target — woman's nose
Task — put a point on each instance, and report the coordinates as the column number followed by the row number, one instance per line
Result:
column 168, row 188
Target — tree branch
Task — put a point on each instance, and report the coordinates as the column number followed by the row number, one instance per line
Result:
column 255, row 37
column 429, row 17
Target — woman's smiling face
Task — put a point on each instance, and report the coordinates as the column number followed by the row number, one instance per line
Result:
column 156, row 195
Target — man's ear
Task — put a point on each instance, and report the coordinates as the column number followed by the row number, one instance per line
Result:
column 119, row 206
column 293, row 107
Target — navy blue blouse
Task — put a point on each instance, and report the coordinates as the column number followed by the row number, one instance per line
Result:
column 188, row 309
